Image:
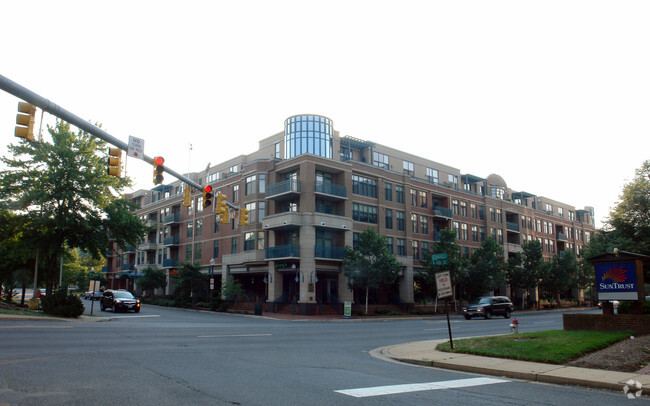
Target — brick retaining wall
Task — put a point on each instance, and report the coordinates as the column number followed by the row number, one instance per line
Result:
column 640, row 324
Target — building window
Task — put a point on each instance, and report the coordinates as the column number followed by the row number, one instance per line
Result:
column 355, row 240
column 401, row 247
column 235, row 194
column 399, row 216
column 456, row 227
column 408, row 168
column 249, row 188
column 217, row 222
column 415, row 247
column 473, row 211
column 482, row 233
column 198, row 248
column 380, row 160
column 423, row 199
column 432, row 175
column 399, row 194
column 414, row 223
column 251, row 207
column 364, row 213
column 249, row 241
column 190, row 230
column 499, row 216
column 481, row 212
column 188, row 253
column 414, row 198
column 463, row 232
column 424, row 247
column 364, row 186
column 453, row 179
column 389, row 244
column 308, row 134
column 424, row 224
column 475, row 233
column 262, row 183
column 260, row 240
column 233, row 245
column 199, row 227
column 454, row 206
column 389, row 192
column 463, row 209
column 215, row 249
column 261, row 210
column 500, row 236
column 277, row 150
column 389, row 219
column 560, row 211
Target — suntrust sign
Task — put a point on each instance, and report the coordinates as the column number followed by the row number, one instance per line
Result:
column 617, row 281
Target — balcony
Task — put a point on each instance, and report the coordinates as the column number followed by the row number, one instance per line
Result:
column 174, row 240
column 173, row 218
column 562, row 237
column 147, row 246
column 331, row 191
column 283, row 251
column 127, row 267
column 442, row 212
column 321, row 251
column 283, row 190
column 512, row 226
column 170, row 262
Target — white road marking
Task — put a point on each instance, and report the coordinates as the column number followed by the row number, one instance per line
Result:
column 236, row 335
column 130, row 317
column 417, row 387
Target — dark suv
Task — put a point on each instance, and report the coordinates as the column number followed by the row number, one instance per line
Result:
column 487, row 306
column 119, row 300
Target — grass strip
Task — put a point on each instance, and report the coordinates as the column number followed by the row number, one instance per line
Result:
column 551, row 346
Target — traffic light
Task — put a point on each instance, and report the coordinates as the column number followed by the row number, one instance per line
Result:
column 115, row 162
column 25, row 121
column 221, row 208
column 243, row 216
column 158, row 170
column 207, row 196
column 187, row 197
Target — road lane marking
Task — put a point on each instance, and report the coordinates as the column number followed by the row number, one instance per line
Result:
column 35, row 327
column 235, row 335
column 131, row 317
column 417, row 387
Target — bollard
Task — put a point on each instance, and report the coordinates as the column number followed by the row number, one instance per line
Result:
column 514, row 326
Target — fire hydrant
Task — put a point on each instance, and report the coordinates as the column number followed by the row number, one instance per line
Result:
column 514, row 326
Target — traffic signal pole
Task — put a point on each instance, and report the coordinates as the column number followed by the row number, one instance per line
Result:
column 27, row 95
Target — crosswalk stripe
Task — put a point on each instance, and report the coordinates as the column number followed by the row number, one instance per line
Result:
column 416, row 387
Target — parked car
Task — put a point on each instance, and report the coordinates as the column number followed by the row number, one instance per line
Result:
column 90, row 295
column 119, row 300
column 487, row 306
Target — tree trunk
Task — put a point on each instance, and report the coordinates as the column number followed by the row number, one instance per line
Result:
column 367, row 289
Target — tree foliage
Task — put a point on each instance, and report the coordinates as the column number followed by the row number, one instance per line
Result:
column 370, row 264
column 151, row 280
column 487, row 271
column 190, row 281
column 65, row 197
column 457, row 265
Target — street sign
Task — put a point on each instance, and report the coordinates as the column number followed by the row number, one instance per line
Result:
column 136, row 147
column 347, row 309
column 439, row 259
column 443, row 283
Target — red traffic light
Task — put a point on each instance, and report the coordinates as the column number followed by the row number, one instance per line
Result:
column 158, row 160
column 207, row 189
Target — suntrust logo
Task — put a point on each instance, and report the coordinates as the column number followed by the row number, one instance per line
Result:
column 616, row 277
column 615, row 274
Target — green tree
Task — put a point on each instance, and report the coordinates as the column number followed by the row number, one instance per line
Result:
column 190, row 281
column 151, row 280
column 16, row 253
column 64, row 193
column 630, row 218
column 456, row 264
column 487, row 271
column 370, row 264
column 559, row 274
column 231, row 289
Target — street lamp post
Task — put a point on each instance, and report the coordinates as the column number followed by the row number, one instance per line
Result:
column 212, row 278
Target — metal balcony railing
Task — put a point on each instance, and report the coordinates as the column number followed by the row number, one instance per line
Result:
column 283, row 251
column 328, row 252
column 331, row 189
column 290, row 185
column 442, row 212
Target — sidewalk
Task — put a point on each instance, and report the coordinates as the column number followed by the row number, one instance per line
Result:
column 424, row 353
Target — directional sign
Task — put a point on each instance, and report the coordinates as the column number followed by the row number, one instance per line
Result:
column 439, row 259
column 443, row 283
column 136, row 147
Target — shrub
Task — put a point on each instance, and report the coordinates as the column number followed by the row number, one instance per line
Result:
column 61, row 304
column 625, row 307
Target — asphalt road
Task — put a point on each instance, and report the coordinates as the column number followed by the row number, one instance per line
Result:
column 168, row 356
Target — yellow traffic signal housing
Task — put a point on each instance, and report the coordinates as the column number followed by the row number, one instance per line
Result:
column 221, row 207
column 207, row 196
column 115, row 162
column 25, row 121
column 158, row 170
column 187, row 197
column 243, row 216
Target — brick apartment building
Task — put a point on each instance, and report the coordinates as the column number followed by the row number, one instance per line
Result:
column 310, row 192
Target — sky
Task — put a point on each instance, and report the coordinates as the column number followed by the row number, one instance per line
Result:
column 553, row 96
